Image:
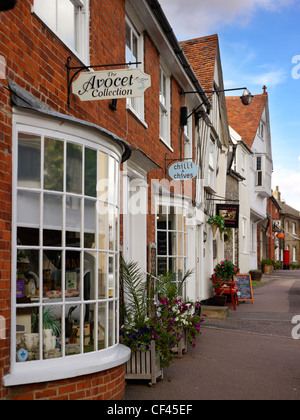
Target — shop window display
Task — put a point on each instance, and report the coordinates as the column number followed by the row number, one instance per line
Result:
column 67, row 237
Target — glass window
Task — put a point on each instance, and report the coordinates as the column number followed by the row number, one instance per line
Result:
column 134, row 54
column 165, row 107
column 171, row 241
column 67, row 248
column 67, row 18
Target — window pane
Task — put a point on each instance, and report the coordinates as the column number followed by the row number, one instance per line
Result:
column 66, row 21
column 27, row 335
column 29, row 161
column 90, row 179
column 47, row 10
column 52, row 234
column 74, row 168
column 89, row 275
column 102, row 211
column 89, row 224
column 28, row 272
column 51, row 332
column 111, row 324
column 102, row 185
column 102, row 325
column 54, row 165
column 52, row 275
column 73, row 221
column 28, row 218
column 102, row 276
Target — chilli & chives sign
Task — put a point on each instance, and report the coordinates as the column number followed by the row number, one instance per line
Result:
column 183, row 171
column 111, row 84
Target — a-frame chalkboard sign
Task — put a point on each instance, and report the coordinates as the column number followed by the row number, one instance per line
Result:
column 244, row 286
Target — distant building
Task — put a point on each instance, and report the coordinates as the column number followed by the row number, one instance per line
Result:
column 252, row 123
column 290, row 225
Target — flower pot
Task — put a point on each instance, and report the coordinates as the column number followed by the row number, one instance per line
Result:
column 144, row 365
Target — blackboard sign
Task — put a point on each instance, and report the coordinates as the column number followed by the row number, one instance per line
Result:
column 244, row 286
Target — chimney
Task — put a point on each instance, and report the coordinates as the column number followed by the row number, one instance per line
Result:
column 277, row 194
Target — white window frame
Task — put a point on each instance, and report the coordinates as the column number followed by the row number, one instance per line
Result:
column 136, row 105
column 188, row 137
column 164, row 107
column 81, row 49
column 65, row 366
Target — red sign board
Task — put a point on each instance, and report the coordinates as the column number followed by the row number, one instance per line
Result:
column 281, row 235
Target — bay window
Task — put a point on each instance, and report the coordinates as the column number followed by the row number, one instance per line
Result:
column 66, row 239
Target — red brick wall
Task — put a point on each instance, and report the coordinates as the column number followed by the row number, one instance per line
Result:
column 107, row 385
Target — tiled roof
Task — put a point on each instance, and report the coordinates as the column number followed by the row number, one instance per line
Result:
column 245, row 119
column 201, row 53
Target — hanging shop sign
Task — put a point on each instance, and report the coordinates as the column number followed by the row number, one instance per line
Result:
column 230, row 213
column 111, row 84
column 183, row 171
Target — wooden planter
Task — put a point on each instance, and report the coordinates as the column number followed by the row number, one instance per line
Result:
column 182, row 347
column 144, row 365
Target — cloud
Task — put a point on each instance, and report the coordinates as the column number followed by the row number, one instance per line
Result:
column 288, row 181
column 202, row 18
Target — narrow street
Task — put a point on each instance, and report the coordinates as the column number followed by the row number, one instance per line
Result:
column 251, row 355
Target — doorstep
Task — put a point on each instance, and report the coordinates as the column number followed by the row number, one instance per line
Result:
column 215, row 312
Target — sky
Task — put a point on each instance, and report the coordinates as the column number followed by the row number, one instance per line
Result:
column 260, row 45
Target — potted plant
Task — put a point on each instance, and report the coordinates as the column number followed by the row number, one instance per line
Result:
column 267, row 266
column 225, row 271
column 217, row 222
column 256, row 275
column 155, row 321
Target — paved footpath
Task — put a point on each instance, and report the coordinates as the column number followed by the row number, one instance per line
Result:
column 249, row 356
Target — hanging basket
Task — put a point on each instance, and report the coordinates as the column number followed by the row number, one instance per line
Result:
column 214, row 229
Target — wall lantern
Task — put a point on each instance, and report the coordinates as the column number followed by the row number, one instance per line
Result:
column 246, row 99
column 7, row 5
column 281, row 236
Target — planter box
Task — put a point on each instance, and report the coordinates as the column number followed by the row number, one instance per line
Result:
column 144, row 365
column 182, row 347
column 267, row 269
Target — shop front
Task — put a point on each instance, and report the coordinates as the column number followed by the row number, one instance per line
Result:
column 65, row 249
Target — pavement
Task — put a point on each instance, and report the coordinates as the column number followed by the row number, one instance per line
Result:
column 250, row 355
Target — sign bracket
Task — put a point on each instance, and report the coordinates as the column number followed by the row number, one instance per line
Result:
column 78, row 69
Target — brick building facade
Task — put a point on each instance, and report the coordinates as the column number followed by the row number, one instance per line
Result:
column 55, row 250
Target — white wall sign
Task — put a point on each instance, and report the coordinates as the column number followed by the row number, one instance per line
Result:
column 183, row 171
column 111, row 84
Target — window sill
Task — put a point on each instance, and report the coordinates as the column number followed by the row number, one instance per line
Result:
column 166, row 144
column 68, row 367
column 137, row 116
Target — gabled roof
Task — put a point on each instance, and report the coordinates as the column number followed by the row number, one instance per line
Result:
column 245, row 119
column 201, row 53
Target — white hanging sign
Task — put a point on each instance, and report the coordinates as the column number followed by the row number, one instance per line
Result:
column 111, row 84
column 183, row 171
